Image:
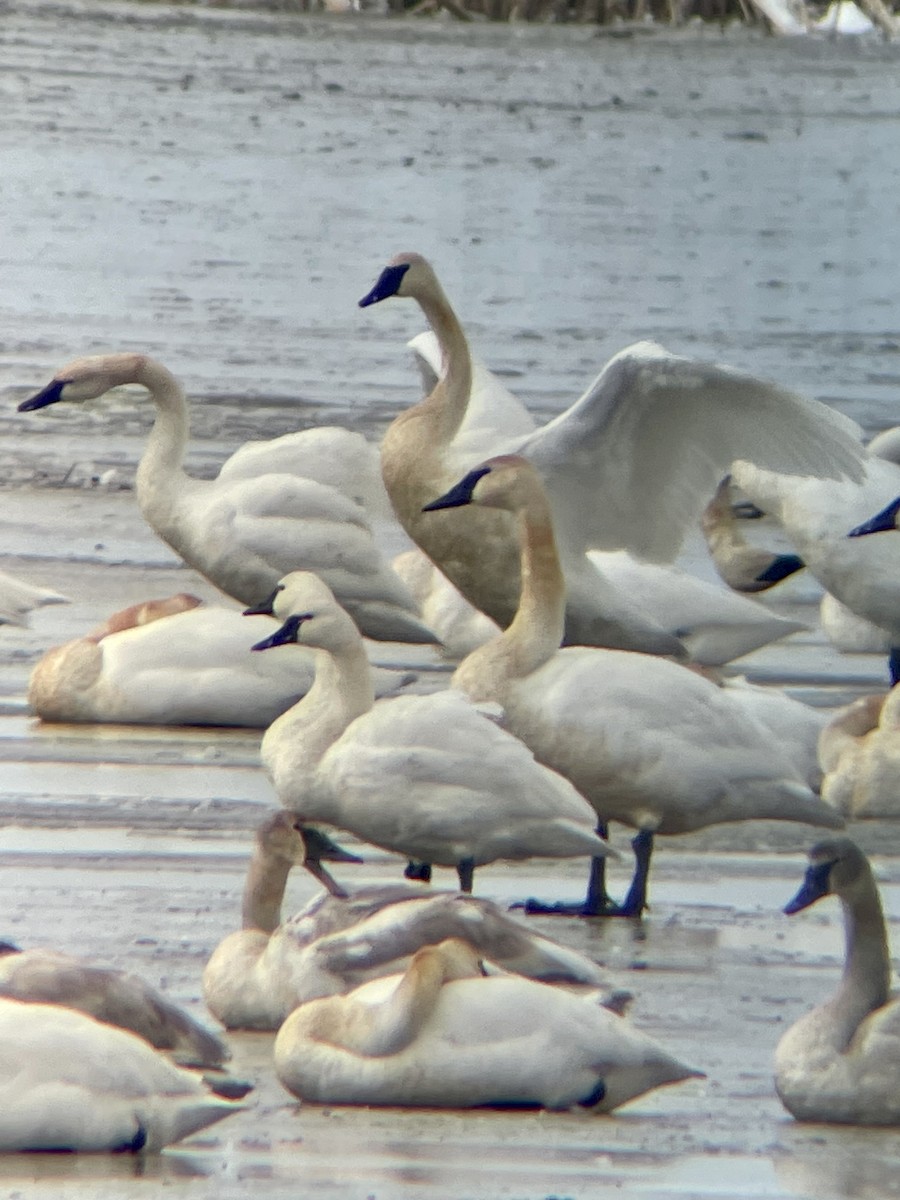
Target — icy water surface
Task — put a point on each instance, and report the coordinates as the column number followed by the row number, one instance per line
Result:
column 218, row 188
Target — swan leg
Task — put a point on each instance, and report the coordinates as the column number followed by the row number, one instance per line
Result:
column 418, row 870
column 597, row 902
column 465, row 869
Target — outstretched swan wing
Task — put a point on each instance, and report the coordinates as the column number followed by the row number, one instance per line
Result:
column 633, row 462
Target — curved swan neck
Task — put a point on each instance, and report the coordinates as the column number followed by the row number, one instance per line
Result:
column 164, row 452
column 865, row 985
column 536, row 631
column 267, row 878
column 447, row 403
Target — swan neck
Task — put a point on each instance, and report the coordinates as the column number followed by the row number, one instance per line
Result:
column 865, row 984
column 448, row 401
column 163, row 456
column 267, row 878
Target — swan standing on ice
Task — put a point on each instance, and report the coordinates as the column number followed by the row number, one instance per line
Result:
column 444, row 1035
column 259, row 974
column 73, row 1083
column 244, row 530
column 649, row 416
column 175, row 661
column 429, row 777
column 648, row 742
column 841, row 1062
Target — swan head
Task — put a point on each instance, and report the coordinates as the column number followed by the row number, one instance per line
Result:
column 882, row 522
column 404, row 275
column 87, row 378
column 836, row 867
column 309, row 614
column 282, row 836
column 506, row 481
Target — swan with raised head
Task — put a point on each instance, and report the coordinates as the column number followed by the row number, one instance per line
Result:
column 648, row 742
column 18, row 598
column 841, row 1062
column 649, row 415
column 175, row 661
column 444, row 1035
column 114, row 997
column 243, row 530
column 859, row 750
column 429, row 777
column 71, row 1082
column 260, row 973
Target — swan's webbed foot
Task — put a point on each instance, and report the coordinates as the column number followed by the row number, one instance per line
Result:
column 418, row 870
column 597, row 902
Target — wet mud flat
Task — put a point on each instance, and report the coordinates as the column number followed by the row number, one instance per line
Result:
column 218, row 187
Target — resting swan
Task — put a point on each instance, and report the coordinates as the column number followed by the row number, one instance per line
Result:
column 174, row 661
column 113, row 997
column 648, row 415
column 18, row 598
column 259, row 974
column 243, row 530
column 428, row 777
column 443, row 1035
column 73, row 1083
column 648, row 742
column 859, row 750
column 841, row 1062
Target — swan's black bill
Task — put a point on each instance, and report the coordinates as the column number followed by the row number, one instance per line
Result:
column 319, row 847
column 387, row 284
column 460, row 493
column 882, row 522
column 266, row 608
column 51, row 394
column 813, row 888
column 284, row 636
column 781, row 568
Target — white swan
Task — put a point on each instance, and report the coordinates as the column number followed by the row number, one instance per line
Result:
column 174, row 661
column 649, row 415
column 260, row 973
column 742, row 565
column 428, row 777
column 111, row 996
column 243, row 531
column 18, row 598
column 445, row 1036
column 460, row 627
column 648, row 742
column 70, row 1082
column 859, row 750
column 841, row 1062
column 863, row 573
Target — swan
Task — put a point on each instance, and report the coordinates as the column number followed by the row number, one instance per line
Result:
column 114, row 997
column 649, row 742
column 429, row 777
column 72, row 1083
column 859, row 750
column 743, row 566
column 841, row 1062
column 243, row 531
column 174, row 661
column 863, row 573
column 261, row 972
column 459, row 626
column 18, row 598
column 444, row 1035
column 649, row 415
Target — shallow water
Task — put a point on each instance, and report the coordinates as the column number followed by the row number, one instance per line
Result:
column 218, row 188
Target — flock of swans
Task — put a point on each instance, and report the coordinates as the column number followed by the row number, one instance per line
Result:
column 586, row 692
